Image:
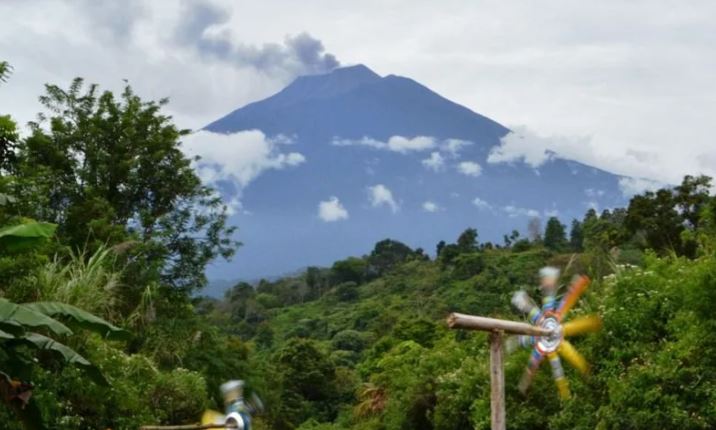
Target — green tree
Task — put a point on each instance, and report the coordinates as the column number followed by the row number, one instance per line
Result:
column 109, row 169
column 387, row 254
column 307, row 381
column 576, row 236
column 654, row 216
column 351, row 269
column 555, row 237
column 692, row 196
column 467, row 241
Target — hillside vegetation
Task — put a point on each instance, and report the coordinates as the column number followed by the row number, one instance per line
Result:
column 106, row 231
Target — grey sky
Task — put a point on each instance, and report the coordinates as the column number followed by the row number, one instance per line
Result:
column 625, row 85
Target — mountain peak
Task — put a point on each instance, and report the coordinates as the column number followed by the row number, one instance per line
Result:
column 356, row 72
column 327, row 85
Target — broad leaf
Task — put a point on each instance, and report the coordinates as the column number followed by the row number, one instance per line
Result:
column 68, row 354
column 19, row 314
column 79, row 318
column 12, row 327
column 22, row 236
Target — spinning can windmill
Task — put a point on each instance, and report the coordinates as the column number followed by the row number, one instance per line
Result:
column 551, row 317
column 546, row 335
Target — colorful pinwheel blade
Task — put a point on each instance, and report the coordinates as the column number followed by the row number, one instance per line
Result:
column 581, row 325
column 532, row 366
column 523, row 303
column 578, row 287
column 570, row 353
column 558, row 375
column 514, row 342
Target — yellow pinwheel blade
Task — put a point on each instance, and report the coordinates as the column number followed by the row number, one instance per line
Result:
column 578, row 287
column 585, row 324
column 570, row 353
column 212, row 417
column 563, row 388
column 558, row 375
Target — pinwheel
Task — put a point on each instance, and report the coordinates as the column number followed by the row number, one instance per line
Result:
column 551, row 317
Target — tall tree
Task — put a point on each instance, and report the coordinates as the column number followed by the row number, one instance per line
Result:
column 576, row 236
column 387, row 254
column 692, row 197
column 467, row 241
column 555, row 236
column 109, row 169
column 655, row 217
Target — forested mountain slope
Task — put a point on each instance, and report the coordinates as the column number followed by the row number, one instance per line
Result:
column 364, row 345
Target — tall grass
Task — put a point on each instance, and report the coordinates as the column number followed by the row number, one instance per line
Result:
column 85, row 280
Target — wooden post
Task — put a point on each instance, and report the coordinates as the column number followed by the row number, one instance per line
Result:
column 456, row 320
column 496, row 327
column 497, row 382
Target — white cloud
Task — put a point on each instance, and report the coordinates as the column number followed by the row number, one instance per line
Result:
column 435, row 162
column 521, row 145
column 548, row 213
column 469, row 168
column 514, row 212
column 432, row 207
column 403, row 144
column 591, row 192
column 380, row 195
column 396, row 143
column 481, row 204
column 454, row 146
column 332, row 210
column 631, row 186
column 238, row 157
column 365, row 141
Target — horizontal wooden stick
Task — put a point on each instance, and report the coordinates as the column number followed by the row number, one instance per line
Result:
column 190, row 427
column 456, row 320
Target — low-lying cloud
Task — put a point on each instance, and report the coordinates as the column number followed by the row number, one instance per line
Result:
column 238, row 157
column 435, row 162
column 522, row 145
column 632, row 186
column 399, row 144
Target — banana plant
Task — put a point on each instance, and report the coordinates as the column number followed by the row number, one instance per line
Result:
column 36, row 327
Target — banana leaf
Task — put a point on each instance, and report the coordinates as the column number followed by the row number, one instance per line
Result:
column 69, row 355
column 22, row 236
column 77, row 318
column 11, row 313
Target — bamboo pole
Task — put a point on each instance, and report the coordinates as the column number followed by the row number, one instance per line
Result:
column 191, row 427
column 497, row 382
column 456, row 320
